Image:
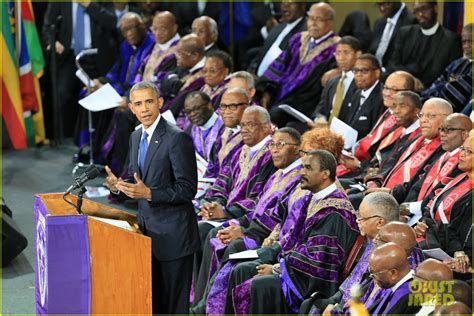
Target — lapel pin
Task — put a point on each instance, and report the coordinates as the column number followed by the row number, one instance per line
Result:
column 156, row 142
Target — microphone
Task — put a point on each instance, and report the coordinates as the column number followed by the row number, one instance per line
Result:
column 90, row 173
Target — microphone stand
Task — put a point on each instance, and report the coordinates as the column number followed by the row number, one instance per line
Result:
column 91, row 129
column 80, row 196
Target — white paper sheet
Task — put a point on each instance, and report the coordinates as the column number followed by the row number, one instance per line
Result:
column 213, row 223
column 115, row 222
column 83, row 77
column 102, row 99
column 246, row 254
column 437, row 253
column 349, row 134
column 93, row 192
column 295, row 113
column 169, row 117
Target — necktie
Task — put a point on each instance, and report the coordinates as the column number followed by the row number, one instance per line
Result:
column 311, row 45
column 384, row 41
column 336, row 107
column 79, row 30
column 143, row 150
column 130, row 66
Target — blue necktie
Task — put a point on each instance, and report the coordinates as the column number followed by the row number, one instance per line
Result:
column 79, row 30
column 311, row 45
column 143, row 150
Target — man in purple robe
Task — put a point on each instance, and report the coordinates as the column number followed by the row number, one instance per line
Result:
column 207, row 126
column 375, row 211
column 161, row 59
column 390, row 270
column 249, row 231
column 294, row 78
column 312, row 253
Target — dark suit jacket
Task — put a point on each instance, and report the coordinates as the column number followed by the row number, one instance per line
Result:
column 272, row 36
column 325, row 104
column 446, row 48
column 170, row 172
column 104, row 35
column 357, row 24
column 406, row 18
column 186, row 12
column 365, row 118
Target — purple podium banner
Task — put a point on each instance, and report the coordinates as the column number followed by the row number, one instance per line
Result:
column 63, row 268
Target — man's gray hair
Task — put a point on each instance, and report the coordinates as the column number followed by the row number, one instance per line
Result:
column 238, row 90
column 245, row 75
column 384, row 205
column 262, row 112
column 213, row 24
column 142, row 85
column 130, row 15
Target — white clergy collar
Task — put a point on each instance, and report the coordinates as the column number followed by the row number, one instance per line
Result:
column 407, row 277
column 260, row 145
column 200, row 64
column 167, row 45
column 210, row 122
column 322, row 38
column 325, row 192
column 292, row 166
column 412, row 127
column 209, row 47
column 430, row 31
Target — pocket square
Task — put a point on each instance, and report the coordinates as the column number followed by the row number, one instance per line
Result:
column 363, row 118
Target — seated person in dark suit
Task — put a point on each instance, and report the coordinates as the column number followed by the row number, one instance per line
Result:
column 366, row 104
column 425, row 50
column 206, row 29
column 357, row 24
column 293, row 21
column 395, row 14
column 455, row 84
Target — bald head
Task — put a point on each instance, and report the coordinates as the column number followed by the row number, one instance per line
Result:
column 388, row 264
column 166, row 16
column 399, row 233
column 325, row 9
column 434, row 270
column 192, row 44
column 132, row 28
column 206, row 28
column 460, row 120
column 164, row 27
column 462, row 292
column 456, row 308
column 131, row 16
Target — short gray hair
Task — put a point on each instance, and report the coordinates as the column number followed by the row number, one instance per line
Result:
column 142, row 85
column 245, row 75
column 213, row 24
column 130, row 15
column 238, row 90
column 384, row 205
column 262, row 112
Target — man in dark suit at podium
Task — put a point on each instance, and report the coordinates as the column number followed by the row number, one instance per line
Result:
column 163, row 178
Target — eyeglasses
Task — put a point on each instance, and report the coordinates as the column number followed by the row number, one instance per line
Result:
column 211, row 71
column 448, row 130
column 392, row 89
column 279, row 145
column 363, row 219
column 250, row 125
column 231, row 106
column 429, row 116
column 197, row 108
column 372, row 274
column 182, row 53
column 363, row 71
column 465, row 150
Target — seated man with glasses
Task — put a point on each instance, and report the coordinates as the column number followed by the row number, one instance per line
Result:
column 248, row 231
column 294, row 78
column 454, row 131
column 207, row 126
column 366, row 104
column 447, row 221
column 162, row 58
column 390, row 270
column 424, row 151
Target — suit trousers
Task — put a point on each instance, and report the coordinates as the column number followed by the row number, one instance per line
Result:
column 171, row 285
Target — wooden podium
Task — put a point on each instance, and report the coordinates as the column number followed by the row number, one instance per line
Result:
column 86, row 266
